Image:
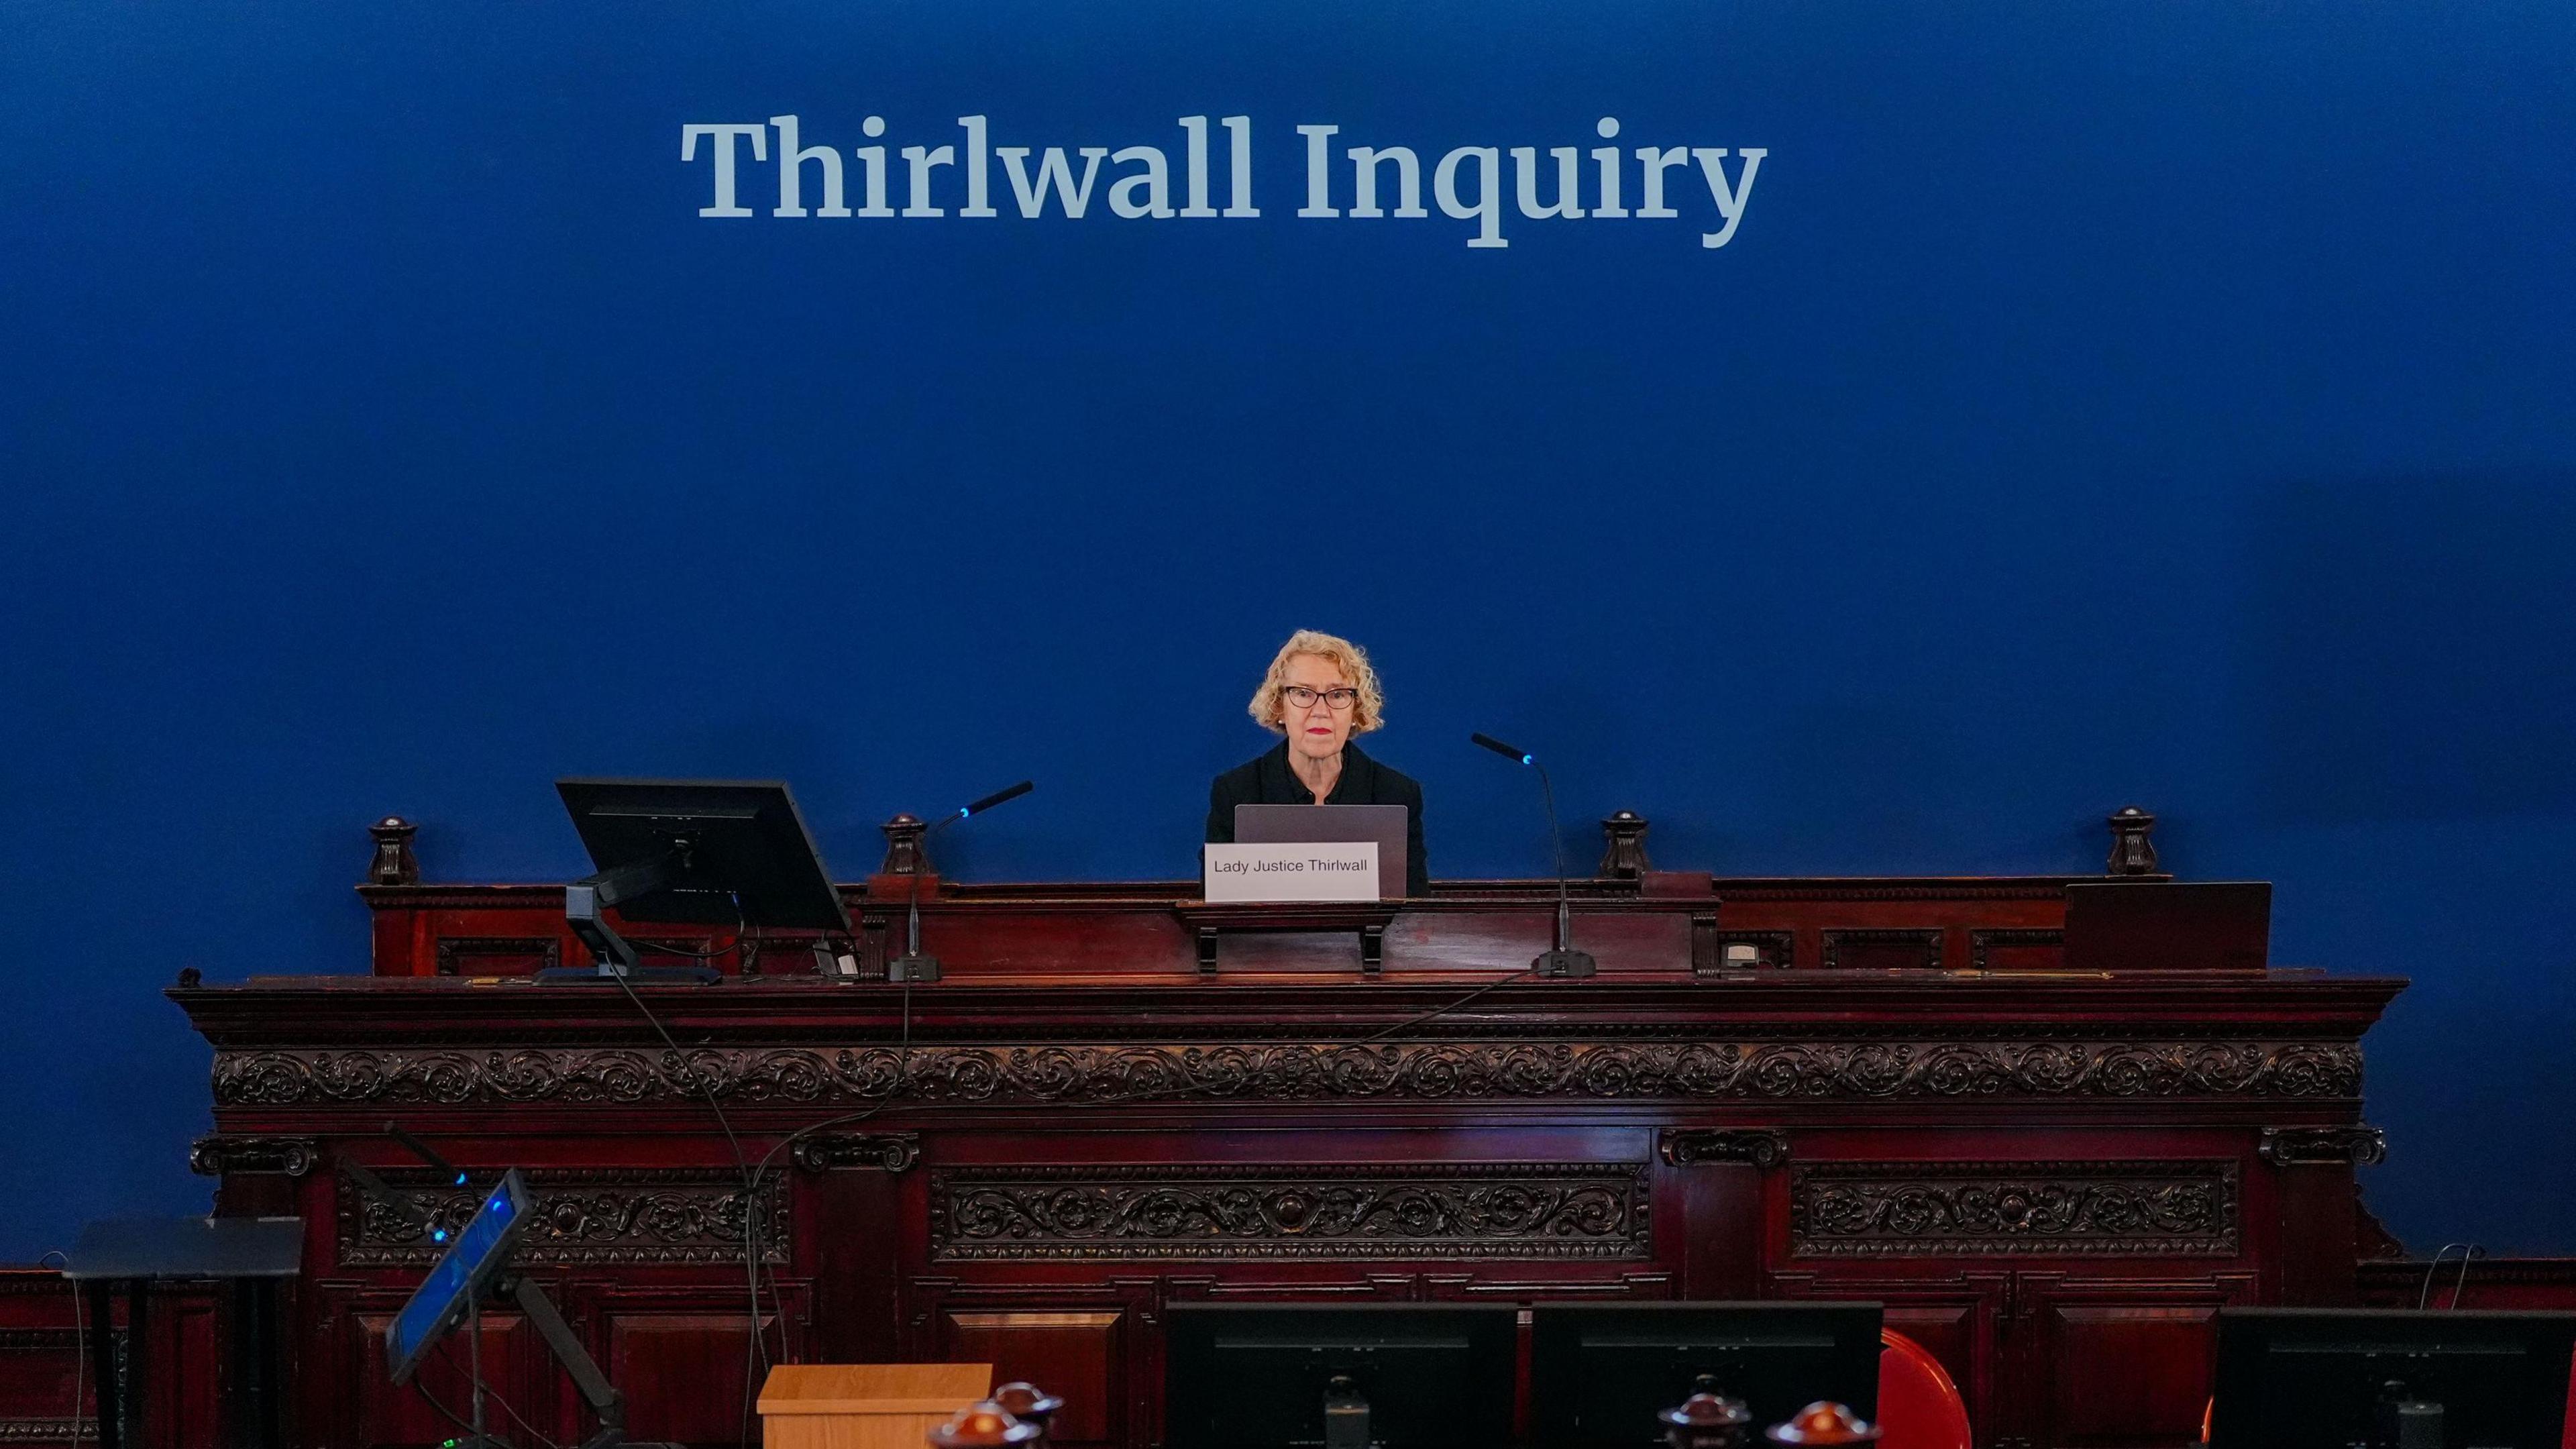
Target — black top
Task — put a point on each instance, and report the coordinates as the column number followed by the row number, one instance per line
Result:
column 1269, row 781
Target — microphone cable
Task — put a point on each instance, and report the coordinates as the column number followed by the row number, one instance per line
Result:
column 756, row 1349
column 1440, row 1011
column 754, row 1252
column 2424, row 1295
column 80, row 1342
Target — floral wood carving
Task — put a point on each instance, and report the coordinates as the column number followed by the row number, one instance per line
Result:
column 1901, row 1209
column 663, row 1217
column 1613, row 1071
column 1406, row 1211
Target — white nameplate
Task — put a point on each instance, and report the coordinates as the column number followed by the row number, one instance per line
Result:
column 1339, row 870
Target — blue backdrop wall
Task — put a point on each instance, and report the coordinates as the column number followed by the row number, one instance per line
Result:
column 2094, row 403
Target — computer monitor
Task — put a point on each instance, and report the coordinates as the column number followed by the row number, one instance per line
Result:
column 2321, row 1378
column 465, row 1271
column 740, row 846
column 1600, row 1372
column 708, row 852
column 1400, row 1376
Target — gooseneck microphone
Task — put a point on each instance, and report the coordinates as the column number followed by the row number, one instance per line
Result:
column 1564, row 961
column 398, row 1201
column 912, row 967
column 426, row 1153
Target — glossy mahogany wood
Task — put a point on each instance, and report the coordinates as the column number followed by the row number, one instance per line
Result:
column 2053, row 1177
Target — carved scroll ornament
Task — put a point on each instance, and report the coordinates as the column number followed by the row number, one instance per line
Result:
column 1693, row 1147
column 1434, row 1211
column 885, row 1151
column 2331, row 1146
column 1861, row 1209
column 658, row 1217
column 1608, row 1071
column 216, row 1155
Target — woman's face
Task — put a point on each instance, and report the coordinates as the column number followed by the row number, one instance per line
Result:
column 1317, row 729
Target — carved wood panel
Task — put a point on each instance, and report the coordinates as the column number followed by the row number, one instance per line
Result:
column 658, row 1217
column 1084, row 1348
column 683, row 1370
column 1883, row 950
column 39, row 1367
column 1865, row 1069
column 2009, row 949
column 1915, row 1209
column 1957, row 1316
column 1414, row 1211
column 383, row 1416
column 496, row 955
column 2120, row 1365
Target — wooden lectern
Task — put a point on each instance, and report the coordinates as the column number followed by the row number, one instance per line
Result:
column 2054, row 1129
column 865, row 1405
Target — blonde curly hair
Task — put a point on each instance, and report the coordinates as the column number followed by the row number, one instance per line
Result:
column 1368, row 714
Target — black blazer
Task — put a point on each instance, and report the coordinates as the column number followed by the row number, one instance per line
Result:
column 1269, row 781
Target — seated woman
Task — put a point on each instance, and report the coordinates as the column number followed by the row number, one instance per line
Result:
column 1319, row 692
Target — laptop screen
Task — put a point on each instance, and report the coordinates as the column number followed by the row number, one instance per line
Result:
column 1388, row 825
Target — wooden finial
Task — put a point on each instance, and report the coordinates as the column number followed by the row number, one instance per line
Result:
column 394, row 864
column 982, row 1426
column 1824, row 1423
column 2132, row 853
column 904, row 855
column 1624, row 854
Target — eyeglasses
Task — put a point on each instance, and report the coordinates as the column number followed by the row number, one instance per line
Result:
column 1304, row 698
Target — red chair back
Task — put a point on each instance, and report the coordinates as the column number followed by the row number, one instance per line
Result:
column 1918, row 1405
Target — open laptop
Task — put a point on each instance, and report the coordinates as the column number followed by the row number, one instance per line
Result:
column 1336, row 824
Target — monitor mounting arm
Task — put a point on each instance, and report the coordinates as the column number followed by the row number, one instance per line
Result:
column 596, row 1391
column 587, row 901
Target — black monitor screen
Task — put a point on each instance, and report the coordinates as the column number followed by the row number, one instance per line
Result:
column 2315, row 1378
column 1600, row 1373
column 1243, row 1376
column 743, row 848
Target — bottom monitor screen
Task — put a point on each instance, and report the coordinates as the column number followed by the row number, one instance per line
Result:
column 1601, row 1373
column 1244, row 1376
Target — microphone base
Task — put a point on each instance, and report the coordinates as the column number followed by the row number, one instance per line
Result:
column 1564, row 964
column 912, row 970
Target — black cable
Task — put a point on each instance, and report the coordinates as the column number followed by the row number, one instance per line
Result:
column 1441, row 1011
column 445, row 1346
column 903, row 1075
column 752, row 1249
column 758, row 1346
column 422, row 1389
